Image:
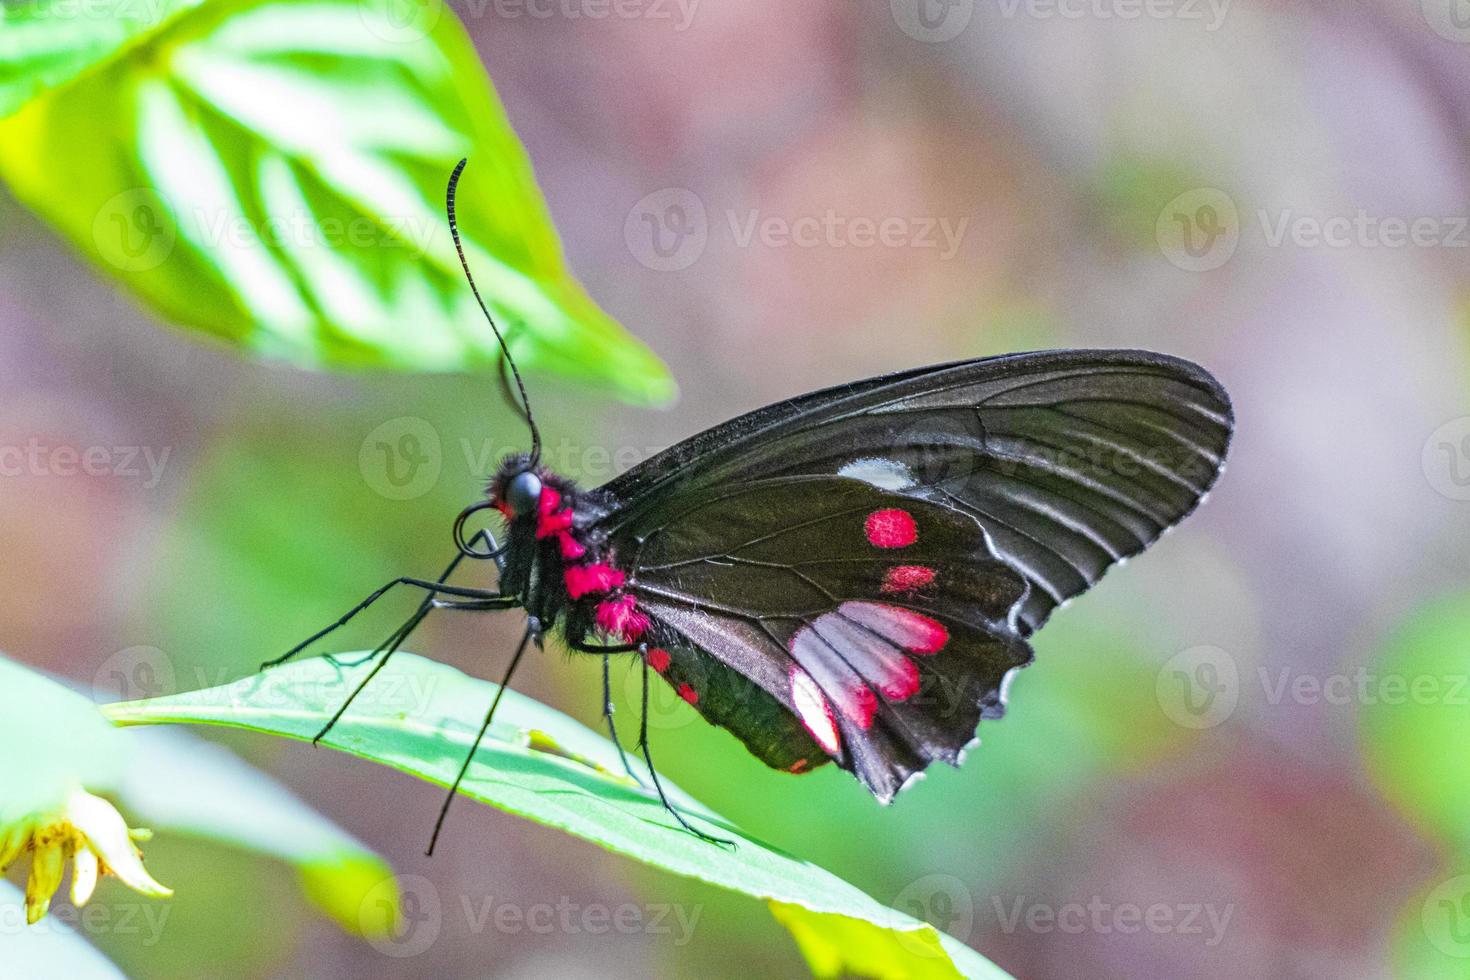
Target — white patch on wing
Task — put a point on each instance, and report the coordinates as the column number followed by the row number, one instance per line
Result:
column 885, row 474
column 814, row 710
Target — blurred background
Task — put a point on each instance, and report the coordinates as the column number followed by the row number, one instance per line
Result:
column 1241, row 756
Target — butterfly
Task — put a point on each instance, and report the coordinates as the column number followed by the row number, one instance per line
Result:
column 850, row 577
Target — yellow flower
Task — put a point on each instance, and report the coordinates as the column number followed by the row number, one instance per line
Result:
column 90, row 832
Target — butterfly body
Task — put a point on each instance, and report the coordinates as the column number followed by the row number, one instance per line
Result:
column 851, row 576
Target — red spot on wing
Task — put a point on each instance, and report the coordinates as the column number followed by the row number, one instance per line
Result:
column 658, row 659
column 582, row 579
column 800, row 765
column 891, row 528
column 907, row 578
column 620, row 617
column 688, row 694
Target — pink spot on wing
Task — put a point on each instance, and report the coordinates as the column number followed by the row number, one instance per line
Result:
column 582, row 579
column 571, row 548
column 688, row 694
column 913, row 631
column 658, row 659
column 831, row 672
column 620, row 618
column 814, row 710
column 860, row 706
column 891, row 528
column 907, row 578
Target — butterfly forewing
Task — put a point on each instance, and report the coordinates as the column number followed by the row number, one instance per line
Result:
column 1069, row 460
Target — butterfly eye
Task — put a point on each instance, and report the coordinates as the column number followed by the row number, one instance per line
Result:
column 523, row 493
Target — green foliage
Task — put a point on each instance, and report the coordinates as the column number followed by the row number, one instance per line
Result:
column 421, row 717
column 1413, row 741
column 272, row 173
column 171, row 784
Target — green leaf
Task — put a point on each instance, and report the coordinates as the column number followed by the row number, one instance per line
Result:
column 1415, row 727
column 46, row 44
column 840, row 946
column 272, row 173
column 172, row 783
column 421, row 717
column 67, row 744
column 187, row 786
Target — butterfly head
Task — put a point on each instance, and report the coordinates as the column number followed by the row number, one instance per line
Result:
column 517, row 487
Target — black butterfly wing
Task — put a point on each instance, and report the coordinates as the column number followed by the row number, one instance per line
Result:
column 1069, row 460
column 820, row 617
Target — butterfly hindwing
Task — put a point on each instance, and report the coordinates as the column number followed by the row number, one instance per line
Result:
column 877, row 620
column 1070, row 460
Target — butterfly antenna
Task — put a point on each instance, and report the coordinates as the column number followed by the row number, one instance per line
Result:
column 504, row 348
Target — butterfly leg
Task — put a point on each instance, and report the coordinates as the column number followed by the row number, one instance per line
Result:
column 653, row 773
column 433, row 588
column 390, row 646
column 533, row 632
column 607, row 712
